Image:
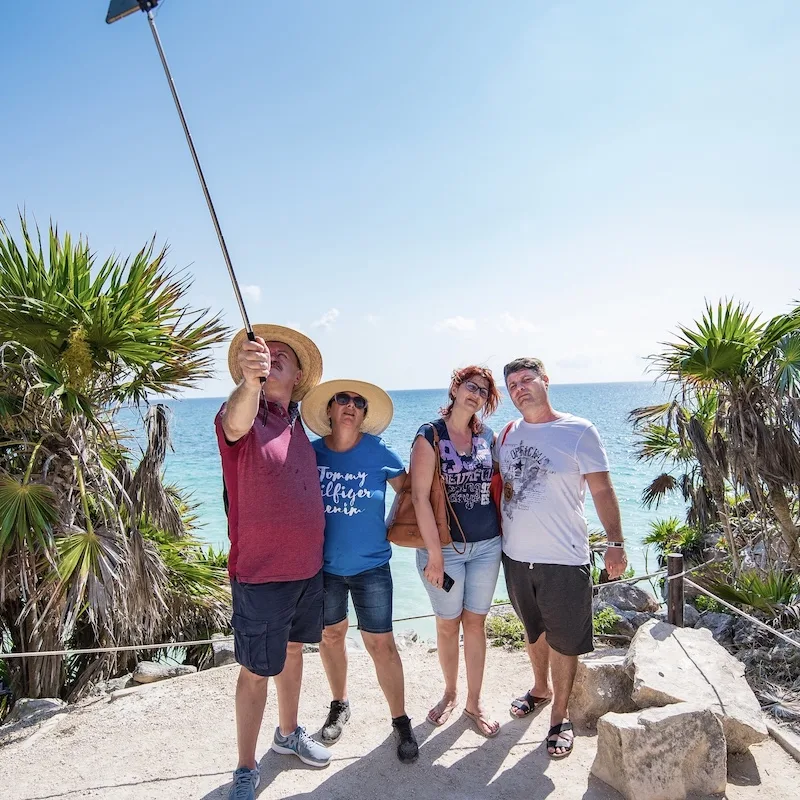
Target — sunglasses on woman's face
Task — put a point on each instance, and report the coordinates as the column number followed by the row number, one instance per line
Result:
column 342, row 398
column 475, row 389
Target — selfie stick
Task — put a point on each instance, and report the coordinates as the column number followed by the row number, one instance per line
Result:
column 122, row 8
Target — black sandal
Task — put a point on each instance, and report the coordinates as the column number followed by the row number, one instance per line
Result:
column 553, row 736
column 528, row 704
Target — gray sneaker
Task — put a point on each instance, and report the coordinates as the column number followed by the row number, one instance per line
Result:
column 245, row 783
column 300, row 744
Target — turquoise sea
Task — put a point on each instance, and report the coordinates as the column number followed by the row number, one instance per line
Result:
column 195, row 465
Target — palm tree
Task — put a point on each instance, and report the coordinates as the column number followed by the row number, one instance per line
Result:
column 94, row 549
column 752, row 440
column 664, row 439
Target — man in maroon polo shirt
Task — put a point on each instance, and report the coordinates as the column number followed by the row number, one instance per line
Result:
column 276, row 524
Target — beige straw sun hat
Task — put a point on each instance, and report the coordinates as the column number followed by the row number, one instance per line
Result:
column 314, row 408
column 307, row 354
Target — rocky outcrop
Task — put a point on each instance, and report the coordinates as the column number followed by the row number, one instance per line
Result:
column 720, row 625
column 690, row 615
column 625, row 597
column 674, row 665
column 662, row 753
column 222, row 646
column 602, row 684
column 30, row 711
column 150, row 671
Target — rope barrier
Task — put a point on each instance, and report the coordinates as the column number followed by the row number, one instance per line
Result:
column 167, row 645
column 630, row 581
column 201, row 642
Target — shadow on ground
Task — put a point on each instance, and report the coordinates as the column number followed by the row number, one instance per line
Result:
column 470, row 774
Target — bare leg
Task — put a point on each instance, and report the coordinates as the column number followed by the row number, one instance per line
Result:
column 287, row 685
column 447, row 631
column 251, row 697
column 539, row 654
column 564, row 668
column 388, row 668
column 475, row 660
column 333, row 651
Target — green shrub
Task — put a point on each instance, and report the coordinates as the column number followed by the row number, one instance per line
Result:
column 505, row 630
column 605, row 621
column 703, row 603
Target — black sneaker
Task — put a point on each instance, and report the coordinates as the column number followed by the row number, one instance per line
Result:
column 407, row 747
column 337, row 719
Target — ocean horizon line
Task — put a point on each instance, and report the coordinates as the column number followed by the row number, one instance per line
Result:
column 441, row 389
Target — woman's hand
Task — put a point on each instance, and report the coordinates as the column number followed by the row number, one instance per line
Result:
column 434, row 571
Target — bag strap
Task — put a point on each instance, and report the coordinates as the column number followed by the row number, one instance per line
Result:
column 449, row 506
column 502, row 441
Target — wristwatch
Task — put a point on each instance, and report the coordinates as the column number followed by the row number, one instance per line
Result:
column 615, row 544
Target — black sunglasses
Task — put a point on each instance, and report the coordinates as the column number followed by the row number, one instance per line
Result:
column 343, row 398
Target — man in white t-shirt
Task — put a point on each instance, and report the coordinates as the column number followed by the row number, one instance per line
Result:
column 546, row 460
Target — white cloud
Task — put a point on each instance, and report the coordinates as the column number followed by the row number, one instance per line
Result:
column 372, row 319
column 252, row 293
column 507, row 323
column 457, row 324
column 327, row 319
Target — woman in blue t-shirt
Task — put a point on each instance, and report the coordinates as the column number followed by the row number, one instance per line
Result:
column 472, row 562
column 354, row 466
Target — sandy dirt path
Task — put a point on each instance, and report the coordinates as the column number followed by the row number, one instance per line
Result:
column 176, row 740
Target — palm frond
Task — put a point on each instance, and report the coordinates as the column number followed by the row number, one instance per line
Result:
column 658, row 489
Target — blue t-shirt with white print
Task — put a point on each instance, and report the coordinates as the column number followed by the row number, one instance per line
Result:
column 353, row 487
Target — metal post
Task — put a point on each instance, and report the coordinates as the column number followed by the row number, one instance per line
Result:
column 675, row 589
column 200, row 175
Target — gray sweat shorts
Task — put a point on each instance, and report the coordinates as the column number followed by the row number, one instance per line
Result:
column 554, row 599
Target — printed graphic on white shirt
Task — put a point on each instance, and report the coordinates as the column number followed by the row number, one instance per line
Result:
column 527, row 472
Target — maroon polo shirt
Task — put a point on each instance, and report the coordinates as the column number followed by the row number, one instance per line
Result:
column 276, row 520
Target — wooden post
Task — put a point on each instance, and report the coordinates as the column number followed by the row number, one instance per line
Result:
column 675, row 590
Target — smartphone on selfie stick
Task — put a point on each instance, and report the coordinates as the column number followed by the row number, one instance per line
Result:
column 447, row 582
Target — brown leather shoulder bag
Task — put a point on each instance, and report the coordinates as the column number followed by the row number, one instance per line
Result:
column 403, row 529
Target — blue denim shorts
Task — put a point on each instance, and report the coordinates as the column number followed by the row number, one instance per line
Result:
column 267, row 616
column 475, row 574
column 372, row 599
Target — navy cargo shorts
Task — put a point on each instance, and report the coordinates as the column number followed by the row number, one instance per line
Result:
column 267, row 616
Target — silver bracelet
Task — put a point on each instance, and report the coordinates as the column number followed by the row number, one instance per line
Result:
column 615, row 544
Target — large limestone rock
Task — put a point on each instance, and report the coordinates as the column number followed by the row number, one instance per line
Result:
column 662, row 753
column 150, row 671
column 674, row 665
column 626, row 597
column 601, row 685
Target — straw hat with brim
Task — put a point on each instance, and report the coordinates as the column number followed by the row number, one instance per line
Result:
column 307, row 354
column 380, row 408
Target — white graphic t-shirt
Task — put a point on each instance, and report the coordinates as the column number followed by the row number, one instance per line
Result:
column 545, row 464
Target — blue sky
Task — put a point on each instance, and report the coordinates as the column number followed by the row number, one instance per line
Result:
column 422, row 185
